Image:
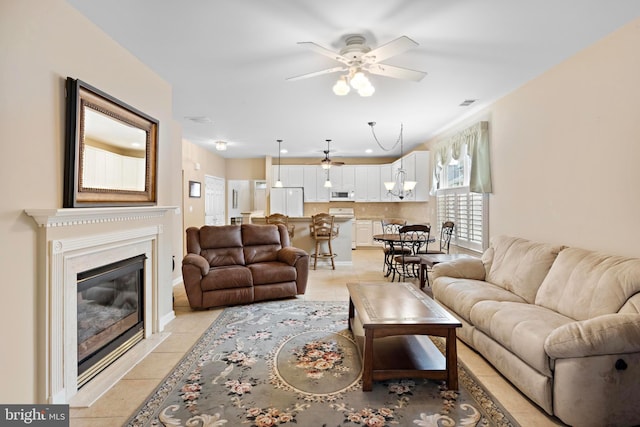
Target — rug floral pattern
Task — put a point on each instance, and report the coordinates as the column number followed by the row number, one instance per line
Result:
column 294, row 362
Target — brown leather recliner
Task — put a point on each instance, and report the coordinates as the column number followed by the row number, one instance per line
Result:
column 239, row 264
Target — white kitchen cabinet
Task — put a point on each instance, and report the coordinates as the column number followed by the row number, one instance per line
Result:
column 367, row 183
column 364, row 232
column 310, row 183
column 295, row 176
column 343, row 178
column 377, row 229
column 290, row 175
column 420, row 164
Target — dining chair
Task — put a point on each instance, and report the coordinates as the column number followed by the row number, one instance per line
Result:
column 278, row 218
column 415, row 238
column 446, row 231
column 391, row 226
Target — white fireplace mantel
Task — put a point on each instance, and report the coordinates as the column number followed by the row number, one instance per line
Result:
column 78, row 216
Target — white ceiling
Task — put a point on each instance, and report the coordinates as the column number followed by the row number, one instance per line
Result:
column 228, row 61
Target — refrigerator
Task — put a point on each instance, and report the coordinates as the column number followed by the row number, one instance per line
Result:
column 287, row 201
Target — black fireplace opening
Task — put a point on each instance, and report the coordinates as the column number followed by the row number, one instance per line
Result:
column 110, row 314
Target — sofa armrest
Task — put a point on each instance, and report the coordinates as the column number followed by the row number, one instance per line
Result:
column 290, row 255
column 299, row 259
column 606, row 334
column 464, row 268
column 198, row 261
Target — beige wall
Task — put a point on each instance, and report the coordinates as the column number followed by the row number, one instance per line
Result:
column 210, row 164
column 565, row 151
column 42, row 43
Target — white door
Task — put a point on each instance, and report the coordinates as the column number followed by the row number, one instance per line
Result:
column 213, row 200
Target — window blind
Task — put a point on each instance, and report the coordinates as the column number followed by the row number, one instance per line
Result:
column 469, row 212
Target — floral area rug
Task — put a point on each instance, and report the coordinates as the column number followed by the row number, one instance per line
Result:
column 295, row 362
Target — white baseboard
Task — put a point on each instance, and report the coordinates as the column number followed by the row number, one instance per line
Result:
column 164, row 320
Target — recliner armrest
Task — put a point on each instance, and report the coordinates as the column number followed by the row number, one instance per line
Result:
column 198, row 261
column 607, row 334
column 290, row 255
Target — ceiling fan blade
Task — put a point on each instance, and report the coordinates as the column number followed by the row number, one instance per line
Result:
column 394, row 47
column 324, row 51
column 317, row 73
column 396, row 72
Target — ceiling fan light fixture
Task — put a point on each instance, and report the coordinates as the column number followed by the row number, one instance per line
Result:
column 325, row 164
column 359, row 80
column 221, row 145
column 341, row 87
column 367, row 90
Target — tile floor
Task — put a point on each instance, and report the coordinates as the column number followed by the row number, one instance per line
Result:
column 120, row 402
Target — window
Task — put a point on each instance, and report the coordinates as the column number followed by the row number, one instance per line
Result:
column 469, row 211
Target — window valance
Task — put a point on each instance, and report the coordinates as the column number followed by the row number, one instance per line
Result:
column 476, row 141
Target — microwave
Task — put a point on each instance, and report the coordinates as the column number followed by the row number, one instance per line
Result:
column 337, row 196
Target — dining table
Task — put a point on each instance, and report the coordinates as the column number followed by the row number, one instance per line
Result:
column 395, row 241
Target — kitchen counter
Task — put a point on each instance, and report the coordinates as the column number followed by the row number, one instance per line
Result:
column 302, row 238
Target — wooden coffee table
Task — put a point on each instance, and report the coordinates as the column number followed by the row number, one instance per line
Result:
column 390, row 322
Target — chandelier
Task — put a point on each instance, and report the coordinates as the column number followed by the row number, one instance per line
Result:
column 278, row 183
column 354, row 79
column 399, row 187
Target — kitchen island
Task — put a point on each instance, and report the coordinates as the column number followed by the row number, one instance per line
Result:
column 302, row 238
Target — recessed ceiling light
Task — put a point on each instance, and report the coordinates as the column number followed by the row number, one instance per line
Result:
column 284, row 151
column 368, row 151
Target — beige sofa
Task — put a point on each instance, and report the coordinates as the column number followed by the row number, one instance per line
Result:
column 562, row 324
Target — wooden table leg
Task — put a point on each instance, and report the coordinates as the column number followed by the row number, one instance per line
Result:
column 423, row 274
column 452, row 360
column 367, row 361
column 352, row 312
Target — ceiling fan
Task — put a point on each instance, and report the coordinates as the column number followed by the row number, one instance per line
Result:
column 357, row 57
column 326, row 163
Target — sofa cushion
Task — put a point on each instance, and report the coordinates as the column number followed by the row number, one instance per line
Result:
column 519, row 265
column 272, row 272
column 261, row 243
column 226, row 277
column 462, row 294
column 584, row 284
column 221, row 245
column 519, row 327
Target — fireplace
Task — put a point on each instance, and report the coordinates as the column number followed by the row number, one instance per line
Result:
column 78, row 243
column 110, row 314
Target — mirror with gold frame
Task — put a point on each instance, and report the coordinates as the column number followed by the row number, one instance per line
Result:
column 111, row 150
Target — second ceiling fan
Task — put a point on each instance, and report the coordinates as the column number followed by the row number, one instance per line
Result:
column 326, row 163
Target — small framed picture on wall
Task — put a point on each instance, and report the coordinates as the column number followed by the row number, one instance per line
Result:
column 194, row 189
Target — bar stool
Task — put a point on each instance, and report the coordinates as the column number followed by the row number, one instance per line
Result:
column 278, row 218
column 322, row 229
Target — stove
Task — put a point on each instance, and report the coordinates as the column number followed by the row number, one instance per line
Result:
column 342, row 212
